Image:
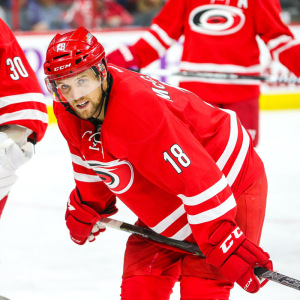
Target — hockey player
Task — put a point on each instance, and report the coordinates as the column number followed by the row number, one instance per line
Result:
column 23, row 113
column 187, row 169
column 219, row 36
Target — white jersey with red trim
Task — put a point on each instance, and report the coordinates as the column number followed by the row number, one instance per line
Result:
column 177, row 162
column 21, row 98
column 220, row 36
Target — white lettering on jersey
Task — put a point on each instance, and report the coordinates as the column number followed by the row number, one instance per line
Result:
column 163, row 94
column 159, row 88
column 242, row 4
column 61, row 47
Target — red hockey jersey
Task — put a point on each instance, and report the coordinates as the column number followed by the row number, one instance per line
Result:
column 21, row 98
column 220, row 36
column 177, row 162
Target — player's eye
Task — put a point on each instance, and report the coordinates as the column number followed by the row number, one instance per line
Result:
column 81, row 81
column 64, row 87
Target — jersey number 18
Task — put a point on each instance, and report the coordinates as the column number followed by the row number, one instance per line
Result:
column 178, row 155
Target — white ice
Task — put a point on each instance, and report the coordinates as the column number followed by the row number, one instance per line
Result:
column 38, row 261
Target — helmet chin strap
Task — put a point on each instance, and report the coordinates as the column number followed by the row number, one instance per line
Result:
column 103, row 97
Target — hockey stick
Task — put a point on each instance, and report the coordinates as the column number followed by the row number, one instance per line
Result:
column 193, row 249
column 227, row 76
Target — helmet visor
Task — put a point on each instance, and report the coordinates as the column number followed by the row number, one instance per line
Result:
column 75, row 87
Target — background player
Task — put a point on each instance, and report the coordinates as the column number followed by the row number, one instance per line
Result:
column 23, row 113
column 160, row 149
column 219, row 36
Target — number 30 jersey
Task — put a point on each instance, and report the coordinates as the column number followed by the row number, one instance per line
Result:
column 21, row 98
column 177, row 162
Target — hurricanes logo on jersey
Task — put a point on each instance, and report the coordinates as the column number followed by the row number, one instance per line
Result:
column 216, row 19
column 117, row 174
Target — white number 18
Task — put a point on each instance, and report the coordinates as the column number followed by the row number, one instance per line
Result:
column 181, row 157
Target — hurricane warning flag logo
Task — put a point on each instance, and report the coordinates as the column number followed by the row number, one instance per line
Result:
column 216, row 19
column 117, row 175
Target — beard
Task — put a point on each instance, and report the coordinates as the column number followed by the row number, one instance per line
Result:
column 92, row 110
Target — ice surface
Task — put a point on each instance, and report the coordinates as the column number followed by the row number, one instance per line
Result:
column 38, row 261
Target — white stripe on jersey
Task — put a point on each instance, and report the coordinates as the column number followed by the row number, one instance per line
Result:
column 169, row 220
column 183, row 233
column 213, row 213
column 288, row 45
column 221, row 162
column 236, row 167
column 24, row 114
column 21, row 98
column 154, row 43
column 86, row 178
column 163, row 35
column 206, row 195
column 277, row 41
column 198, row 67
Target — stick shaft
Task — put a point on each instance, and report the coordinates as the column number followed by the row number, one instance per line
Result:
column 193, row 249
column 226, row 76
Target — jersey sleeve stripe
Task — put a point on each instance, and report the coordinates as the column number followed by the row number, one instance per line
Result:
column 86, row 178
column 154, row 43
column 169, row 220
column 183, row 233
column 126, row 53
column 163, row 35
column 206, row 195
column 235, row 169
column 197, row 67
column 213, row 213
column 25, row 114
column 272, row 44
column 221, row 162
column 28, row 97
column 287, row 46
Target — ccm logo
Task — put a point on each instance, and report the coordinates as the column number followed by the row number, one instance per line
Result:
column 247, row 284
column 235, row 234
column 62, row 67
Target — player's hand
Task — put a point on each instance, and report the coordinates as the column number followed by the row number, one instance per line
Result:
column 237, row 257
column 124, row 57
column 81, row 219
column 11, row 158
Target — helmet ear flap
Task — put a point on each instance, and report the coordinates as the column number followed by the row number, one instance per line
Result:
column 100, row 70
column 103, row 70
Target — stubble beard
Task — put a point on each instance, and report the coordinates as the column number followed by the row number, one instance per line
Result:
column 92, row 111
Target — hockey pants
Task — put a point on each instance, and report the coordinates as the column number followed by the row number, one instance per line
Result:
column 150, row 271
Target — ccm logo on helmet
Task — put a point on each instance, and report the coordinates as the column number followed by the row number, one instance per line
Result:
column 62, row 67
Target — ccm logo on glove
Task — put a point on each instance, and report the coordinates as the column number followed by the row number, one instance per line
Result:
column 235, row 234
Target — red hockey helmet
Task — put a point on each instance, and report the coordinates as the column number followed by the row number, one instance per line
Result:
column 70, row 54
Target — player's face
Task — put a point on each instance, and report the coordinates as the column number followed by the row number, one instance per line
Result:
column 83, row 92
